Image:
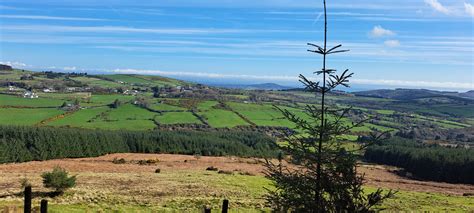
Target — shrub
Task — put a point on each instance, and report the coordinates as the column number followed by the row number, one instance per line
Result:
column 211, row 168
column 148, row 162
column 24, row 182
column 158, row 170
column 119, row 161
column 58, row 179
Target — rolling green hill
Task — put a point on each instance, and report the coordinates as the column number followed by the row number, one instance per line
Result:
column 86, row 101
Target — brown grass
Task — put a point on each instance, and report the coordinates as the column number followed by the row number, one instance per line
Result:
column 181, row 176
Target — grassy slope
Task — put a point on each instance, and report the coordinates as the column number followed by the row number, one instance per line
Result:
column 219, row 117
column 10, row 100
column 222, row 118
column 165, row 107
column 262, row 115
column 244, row 192
column 100, row 100
column 125, row 117
column 80, row 118
column 177, row 118
column 26, row 116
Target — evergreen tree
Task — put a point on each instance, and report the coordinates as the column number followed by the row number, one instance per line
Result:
column 58, row 179
column 321, row 175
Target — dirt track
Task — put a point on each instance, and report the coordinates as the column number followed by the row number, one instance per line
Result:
column 378, row 176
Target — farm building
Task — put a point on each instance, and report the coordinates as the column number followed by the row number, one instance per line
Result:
column 29, row 94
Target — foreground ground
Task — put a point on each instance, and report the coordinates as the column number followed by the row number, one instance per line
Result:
column 184, row 184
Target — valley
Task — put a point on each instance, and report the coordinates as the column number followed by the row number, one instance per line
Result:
column 139, row 106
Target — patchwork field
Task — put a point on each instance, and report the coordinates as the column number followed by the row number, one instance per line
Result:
column 96, row 113
column 184, row 184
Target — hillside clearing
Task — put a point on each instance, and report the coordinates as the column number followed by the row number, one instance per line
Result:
column 184, row 184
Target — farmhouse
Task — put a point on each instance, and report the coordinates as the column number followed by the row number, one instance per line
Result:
column 48, row 90
column 29, row 94
column 12, row 88
column 131, row 92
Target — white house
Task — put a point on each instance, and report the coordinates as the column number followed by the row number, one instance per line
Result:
column 29, row 94
column 48, row 90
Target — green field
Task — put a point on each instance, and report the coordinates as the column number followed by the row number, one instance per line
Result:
column 127, row 116
column 83, row 118
column 13, row 116
column 165, row 107
column 177, row 118
column 130, row 112
column 262, row 115
column 97, row 82
column 385, row 112
column 144, row 80
column 206, row 105
column 222, row 118
column 102, row 100
column 10, row 100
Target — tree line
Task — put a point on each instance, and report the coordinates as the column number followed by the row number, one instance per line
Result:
column 22, row 143
column 427, row 162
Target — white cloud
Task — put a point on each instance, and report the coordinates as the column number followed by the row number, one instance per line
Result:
column 14, row 64
column 392, row 43
column 438, row 6
column 50, row 18
column 379, row 31
column 469, row 9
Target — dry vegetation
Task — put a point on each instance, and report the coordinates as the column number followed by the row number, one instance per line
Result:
column 183, row 182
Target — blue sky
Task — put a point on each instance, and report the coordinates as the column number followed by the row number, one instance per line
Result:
column 393, row 43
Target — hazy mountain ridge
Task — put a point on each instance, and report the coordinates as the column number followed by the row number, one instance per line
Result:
column 264, row 86
column 412, row 94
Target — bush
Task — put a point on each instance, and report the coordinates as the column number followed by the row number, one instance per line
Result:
column 211, row 168
column 58, row 179
column 158, row 170
column 119, row 161
column 148, row 162
column 24, row 182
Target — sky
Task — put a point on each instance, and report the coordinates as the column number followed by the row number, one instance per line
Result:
column 393, row 43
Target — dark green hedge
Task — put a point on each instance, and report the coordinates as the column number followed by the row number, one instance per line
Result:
column 20, row 144
column 427, row 162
